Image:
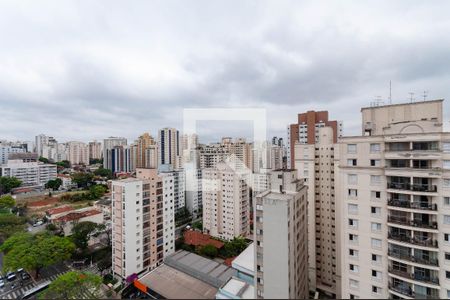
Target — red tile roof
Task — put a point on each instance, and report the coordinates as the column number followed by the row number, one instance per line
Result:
column 58, row 210
column 40, row 203
column 229, row 260
column 196, row 238
column 77, row 215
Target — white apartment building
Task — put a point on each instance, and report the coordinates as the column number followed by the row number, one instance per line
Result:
column 78, row 153
column 30, row 173
column 109, row 144
column 169, row 182
column 315, row 165
column 225, row 203
column 194, row 194
column 281, row 239
column 213, row 154
column 394, row 183
column 95, row 150
column 46, row 146
column 6, row 150
column 138, row 223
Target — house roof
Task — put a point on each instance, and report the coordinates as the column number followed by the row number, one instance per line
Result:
column 77, row 215
column 58, row 210
column 196, row 238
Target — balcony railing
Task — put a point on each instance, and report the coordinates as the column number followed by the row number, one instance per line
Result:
column 413, row 223
column 413, row 205
column 429, row 242
column 414, row 276
column 404, row 290
column 429, row 188
column 415, row 259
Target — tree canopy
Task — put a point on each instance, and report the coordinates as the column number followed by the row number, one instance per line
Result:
column 82, row 232
column 43, row 159
column 34, row 252
column 11, row 224
column 54, row 184
column 234, row 247
column 8, row 183
column 7, row 202
column 70, row 285
column 103, row 172
column 83, row 180
column 208, row 250
column 64, row 164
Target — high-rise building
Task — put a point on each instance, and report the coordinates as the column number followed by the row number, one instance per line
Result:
column 109, row 144
column 95, row 150
column 169, row 152
column 178, row 181
column 306, row 129
column 225, row 203
column 143, row 158
column 267, row 156
column 121, row 159
column 78, row 153
column 7, row 150
column 315, row 164
column 138, row 223
column 213, row 154
column 46, row 146
column 281, row 239
column 194, row 193
column 169, row 193
column 394, row 187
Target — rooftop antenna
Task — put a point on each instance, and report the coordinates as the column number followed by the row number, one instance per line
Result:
column 411, row 98
column 425, row 95
column 390, row 91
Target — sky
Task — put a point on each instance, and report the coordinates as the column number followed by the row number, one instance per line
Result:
column 84, row 70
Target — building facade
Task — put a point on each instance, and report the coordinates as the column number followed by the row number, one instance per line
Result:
column 95, row 150
column 281, row 239
column 78, row 153
column 109, row 144
column 169, row 147
column 394, row 182
column 30, row 173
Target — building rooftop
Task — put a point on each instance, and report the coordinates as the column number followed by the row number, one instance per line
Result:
column 196, row 238
column 236, row 288
column 202, row 268
column 59, row 210
column 400, row 104
column 78, row 215
column 244, row 262
column 174, row 284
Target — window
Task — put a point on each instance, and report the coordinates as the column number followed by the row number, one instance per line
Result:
column 446, row 164
column 375, row 163
column 352, row 179
column 354, row 283
column 375, row 179
column 351, row 148
column 376, row 211
column 351, row 162
column 447, row 219
column 352, row 193
column 447, row 274
column 376, row 243
column 376, row 258
column 353, row 223
column 353, row 252
column 376, row 290
column 446, row 200
column 446, row 237
column 376, row 227
column 375, row 195
column 353, row 237
column 447, row 183
column 352, row 209
column 446, row 146
column 354, row 268
column 374, row 148
column 376, row 274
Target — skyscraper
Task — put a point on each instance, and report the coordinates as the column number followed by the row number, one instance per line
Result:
column 95, row 150
column 169, row 151
column 109, row 144
column 281, row 239
column 144, row 142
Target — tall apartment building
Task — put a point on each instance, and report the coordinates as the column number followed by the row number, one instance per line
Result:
column 266, row 156
column 394, row 182
column 240, row 152
column 225, row 203
column 138, row 223
column 194, row 190
column 31, row 173
column 281, row 239
column 179, row 186
column 7, row 150
column 46, row 146
column 95, row 150
column 144, row 157
column 78, row 153
column 169, row 193
column 169, row 151
column 315, row 164
column 305, row 131
column 109, row 144
column 213, row 154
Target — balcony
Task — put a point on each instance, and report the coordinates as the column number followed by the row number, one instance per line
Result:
column 412, row 205
column 414, row 259
column 415, row 276
column 415, row 241
column 402, row 289
column 412, row 223
column 428, row 188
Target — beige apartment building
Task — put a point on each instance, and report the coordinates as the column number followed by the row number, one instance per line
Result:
column 138, row 223
column 394, row 186
column 315, row 165
column 78, row 153
column 95, row 150
column 281, row 238
column 225, row 203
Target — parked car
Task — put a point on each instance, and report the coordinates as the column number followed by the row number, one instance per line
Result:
column 2, row 283
column 11, row 276
column 38, row 223
column 25, row 276
column 20, row 270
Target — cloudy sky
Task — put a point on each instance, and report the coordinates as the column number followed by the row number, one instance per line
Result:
column 82, row 70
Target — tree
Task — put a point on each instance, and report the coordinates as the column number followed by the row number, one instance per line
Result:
column 34, row 252
column 104, row 265
column 97, row 191
column 198, row 225
column 8, row 183
column 44, row 160
column 7, row 202
column 94, row 161
column 83, row 180
column 63, row 164
column 11, row 224
column 54, row 184
column 102, row 229
column 234, row 247
column 82, row 232
column 70, row 285
column 103, row 172
column 208, row 250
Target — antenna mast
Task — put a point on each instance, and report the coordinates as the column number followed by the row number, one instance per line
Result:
column 411, row 94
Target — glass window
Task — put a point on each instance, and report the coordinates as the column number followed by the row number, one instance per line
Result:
column 376, row 226
column 446, row 164
column 353, row 193
column 374, row 148
column 351, row 162
column 447, row 183
column 446, row 146
column 351, row 148
column 354, row 283
column 446, row 200
column 354, row 268
column 376, row 243
column 353, row 223
column 375, row 179
column 352, row 179
column 352, row 208
column 446, row 219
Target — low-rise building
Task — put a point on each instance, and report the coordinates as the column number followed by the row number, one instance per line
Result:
column 68, row 220
column 30, row 173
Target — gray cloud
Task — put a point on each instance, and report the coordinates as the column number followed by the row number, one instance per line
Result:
column 84, row 70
